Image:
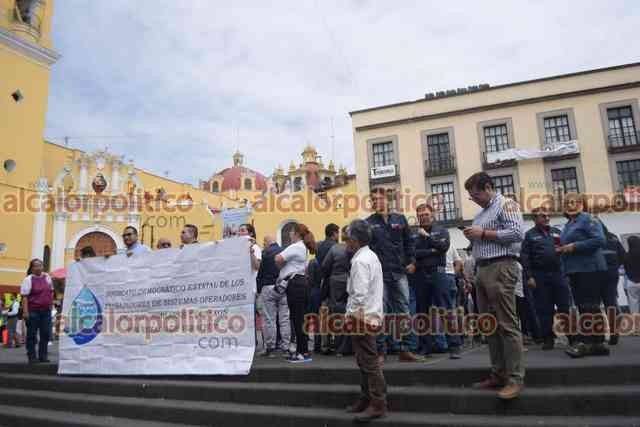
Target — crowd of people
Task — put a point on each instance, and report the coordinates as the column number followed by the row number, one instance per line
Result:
column 381, row 269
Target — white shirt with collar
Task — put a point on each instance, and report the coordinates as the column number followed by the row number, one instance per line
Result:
column 364, row 286
column 137, row 248
column 295, row 258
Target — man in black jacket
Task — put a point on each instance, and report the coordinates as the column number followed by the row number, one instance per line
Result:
column 331, row 234
column 391, row 241
column 543, row 273
column 335, row 271
column 434, row 289
column 273, row 304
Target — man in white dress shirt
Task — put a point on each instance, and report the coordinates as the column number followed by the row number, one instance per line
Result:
column 365, row 307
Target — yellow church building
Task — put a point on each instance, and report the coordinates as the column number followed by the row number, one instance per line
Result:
column 55, row 200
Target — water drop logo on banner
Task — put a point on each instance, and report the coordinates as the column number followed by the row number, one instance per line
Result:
column 85, row 317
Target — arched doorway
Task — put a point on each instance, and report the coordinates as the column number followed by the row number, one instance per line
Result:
column 101, row 243
column 284, row 233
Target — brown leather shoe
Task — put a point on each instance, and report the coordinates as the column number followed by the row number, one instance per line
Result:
column 407, row 356
column 490, row 383
column 359, row 406
column 376, row 409
column 510, row 391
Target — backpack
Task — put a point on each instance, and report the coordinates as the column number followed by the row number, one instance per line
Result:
column 614, row 253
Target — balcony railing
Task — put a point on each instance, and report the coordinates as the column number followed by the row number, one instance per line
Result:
column 499, row 164
column 448, row 216
column 443, row 165
column 626, row 142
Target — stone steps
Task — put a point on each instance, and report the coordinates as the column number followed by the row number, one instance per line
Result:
column 548, row 401
column 276, row 393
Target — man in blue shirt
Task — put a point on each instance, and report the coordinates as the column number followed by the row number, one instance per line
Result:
column 434, row 287
column 392, row 243
column 544, row 274
column 130, row 238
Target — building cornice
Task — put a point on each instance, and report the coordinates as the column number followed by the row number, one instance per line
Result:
column 508, row 104
column 38, row 53
column 507, row 85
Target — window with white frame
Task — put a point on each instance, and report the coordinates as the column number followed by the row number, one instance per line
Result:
column 496, row 138
column 556, row 129
column 444, row 201
column 564, row 180
column 622, row 129
column 383, row 154
column 504, row 184
column 438, row 151
column 628, row 173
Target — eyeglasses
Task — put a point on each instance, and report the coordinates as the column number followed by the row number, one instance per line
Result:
column 165, row 245
column 127, row 234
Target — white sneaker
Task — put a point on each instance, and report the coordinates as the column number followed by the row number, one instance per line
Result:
column 299, row 358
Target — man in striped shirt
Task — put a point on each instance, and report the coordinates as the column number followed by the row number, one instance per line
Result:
column 495, row 234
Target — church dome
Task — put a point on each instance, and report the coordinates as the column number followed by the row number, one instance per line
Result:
column 233, row 177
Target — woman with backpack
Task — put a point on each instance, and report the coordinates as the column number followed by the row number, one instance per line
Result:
column 632, row 271
column 581, row 245
column 292, row 262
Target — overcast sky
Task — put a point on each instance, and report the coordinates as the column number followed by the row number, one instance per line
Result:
column 178, row 85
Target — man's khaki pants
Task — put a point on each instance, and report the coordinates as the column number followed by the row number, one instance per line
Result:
column 495, row 287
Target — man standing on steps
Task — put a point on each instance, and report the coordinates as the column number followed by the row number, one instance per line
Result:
column 273, row 304
column 543, row 273
column 432, row 245
column 495, row 233
column 331, row 233
column 364, row 309
column 392, row 243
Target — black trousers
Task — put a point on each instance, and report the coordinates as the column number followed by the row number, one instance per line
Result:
column 587, row 289
column 298, row 301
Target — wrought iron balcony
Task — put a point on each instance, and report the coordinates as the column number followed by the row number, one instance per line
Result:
column 442, row 165
column 625, row 142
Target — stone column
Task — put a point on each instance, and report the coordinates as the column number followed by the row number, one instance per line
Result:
column 59, row 239
column 84, row 175
column 115, row 175
column 39, row 220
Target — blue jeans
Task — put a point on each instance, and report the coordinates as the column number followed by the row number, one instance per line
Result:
column 444, row 293
column 423, row 290
column 395, row 301
column 39, row 321
column 413, row 284
column 551, row 291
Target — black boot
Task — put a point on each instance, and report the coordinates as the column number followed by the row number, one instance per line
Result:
column 579, row 350
column 600, row 350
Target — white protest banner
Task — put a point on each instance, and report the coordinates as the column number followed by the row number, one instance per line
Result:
column 167, row 312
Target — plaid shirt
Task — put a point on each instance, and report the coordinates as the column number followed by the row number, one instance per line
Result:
column 502, row 215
